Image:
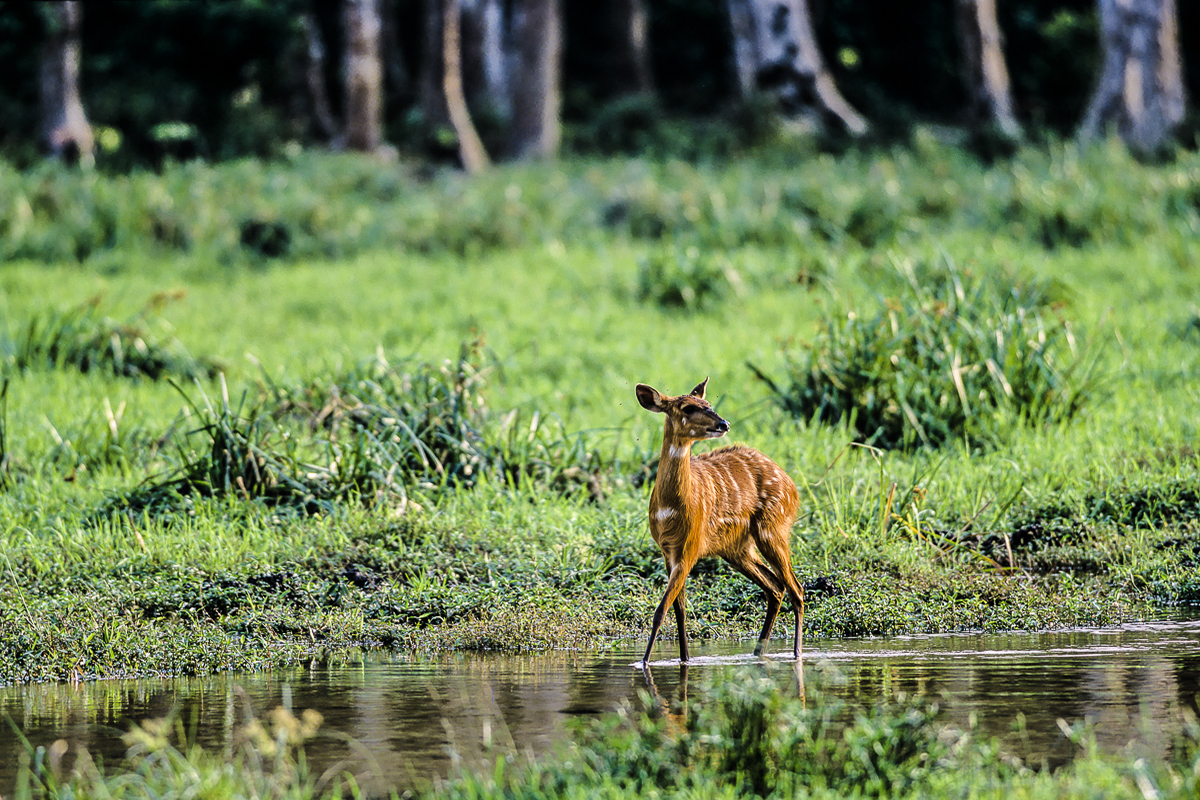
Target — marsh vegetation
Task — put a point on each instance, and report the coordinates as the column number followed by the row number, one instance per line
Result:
column 254, row 412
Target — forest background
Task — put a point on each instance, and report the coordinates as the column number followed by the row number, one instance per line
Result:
column 242, row 77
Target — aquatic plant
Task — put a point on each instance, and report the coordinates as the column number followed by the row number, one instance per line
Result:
column 749, row 737
column 266, row 759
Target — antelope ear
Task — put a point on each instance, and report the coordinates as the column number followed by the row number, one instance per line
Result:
column 650, row 398
column 699, row 390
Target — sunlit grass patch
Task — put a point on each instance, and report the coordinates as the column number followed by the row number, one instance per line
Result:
column 951, row 357
column 327, row 494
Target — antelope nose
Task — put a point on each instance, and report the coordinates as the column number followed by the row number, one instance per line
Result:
column 722, row 426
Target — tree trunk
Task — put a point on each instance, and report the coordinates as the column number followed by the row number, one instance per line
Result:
column 1140, row 88
column 745, row 44
column 314, row 78
column 65, row 133
column 364, row 76
column 776, row 51
column 534, row 78
column 631, row 73
column 470, row 149
column 989, row 101
column 485, row 74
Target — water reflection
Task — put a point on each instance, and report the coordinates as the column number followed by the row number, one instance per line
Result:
column 399, row 720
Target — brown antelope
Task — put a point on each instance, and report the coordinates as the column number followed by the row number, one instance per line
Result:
column 733, row 502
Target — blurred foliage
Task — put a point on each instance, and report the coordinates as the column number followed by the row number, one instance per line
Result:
column 676, row 276
column 146, row 65
column 323, row 206
column 900, row 61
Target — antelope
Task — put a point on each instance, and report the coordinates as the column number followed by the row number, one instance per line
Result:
column 733, row 502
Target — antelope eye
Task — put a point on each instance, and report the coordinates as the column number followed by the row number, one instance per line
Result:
column 692, row 410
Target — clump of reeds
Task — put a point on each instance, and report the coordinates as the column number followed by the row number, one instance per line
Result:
column 83, row 339
column 371, row 434
column 952, row 356
column 685, row 276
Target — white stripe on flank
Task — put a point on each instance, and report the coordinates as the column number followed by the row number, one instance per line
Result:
column 731, row 484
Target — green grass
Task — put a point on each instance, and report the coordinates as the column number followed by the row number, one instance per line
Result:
column 954, row 357
column 425, row 433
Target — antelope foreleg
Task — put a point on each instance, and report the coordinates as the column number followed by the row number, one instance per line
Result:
column 675, row 583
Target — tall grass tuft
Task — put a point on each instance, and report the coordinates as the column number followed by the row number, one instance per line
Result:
column 679, row 276
column 424, row 422
column 83, row 339
column 233, row 452
column 368, row 435
column 430, row 425
column 950, row 357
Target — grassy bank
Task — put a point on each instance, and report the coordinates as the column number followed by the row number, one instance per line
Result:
column 410, row 421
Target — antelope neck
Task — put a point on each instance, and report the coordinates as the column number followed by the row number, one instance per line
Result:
column 674, row 480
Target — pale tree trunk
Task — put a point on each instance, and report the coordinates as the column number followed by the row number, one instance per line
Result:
column 485, row 72
column 314, row 78
column 470, row 148
column 745, row 44
column 364, row 76
column 65, row 132
column 776, row 51
column 989, row 100
column 534, row 78
column 1140, row 88
column 631, row 50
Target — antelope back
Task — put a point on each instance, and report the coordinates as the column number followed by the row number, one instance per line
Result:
column 742, row 485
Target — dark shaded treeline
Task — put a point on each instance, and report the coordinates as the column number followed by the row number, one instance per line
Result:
column 234, row 70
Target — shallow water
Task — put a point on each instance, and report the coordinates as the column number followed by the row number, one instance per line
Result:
column 401, row 720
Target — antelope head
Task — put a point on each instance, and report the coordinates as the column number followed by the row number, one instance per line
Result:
column 689, row 416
